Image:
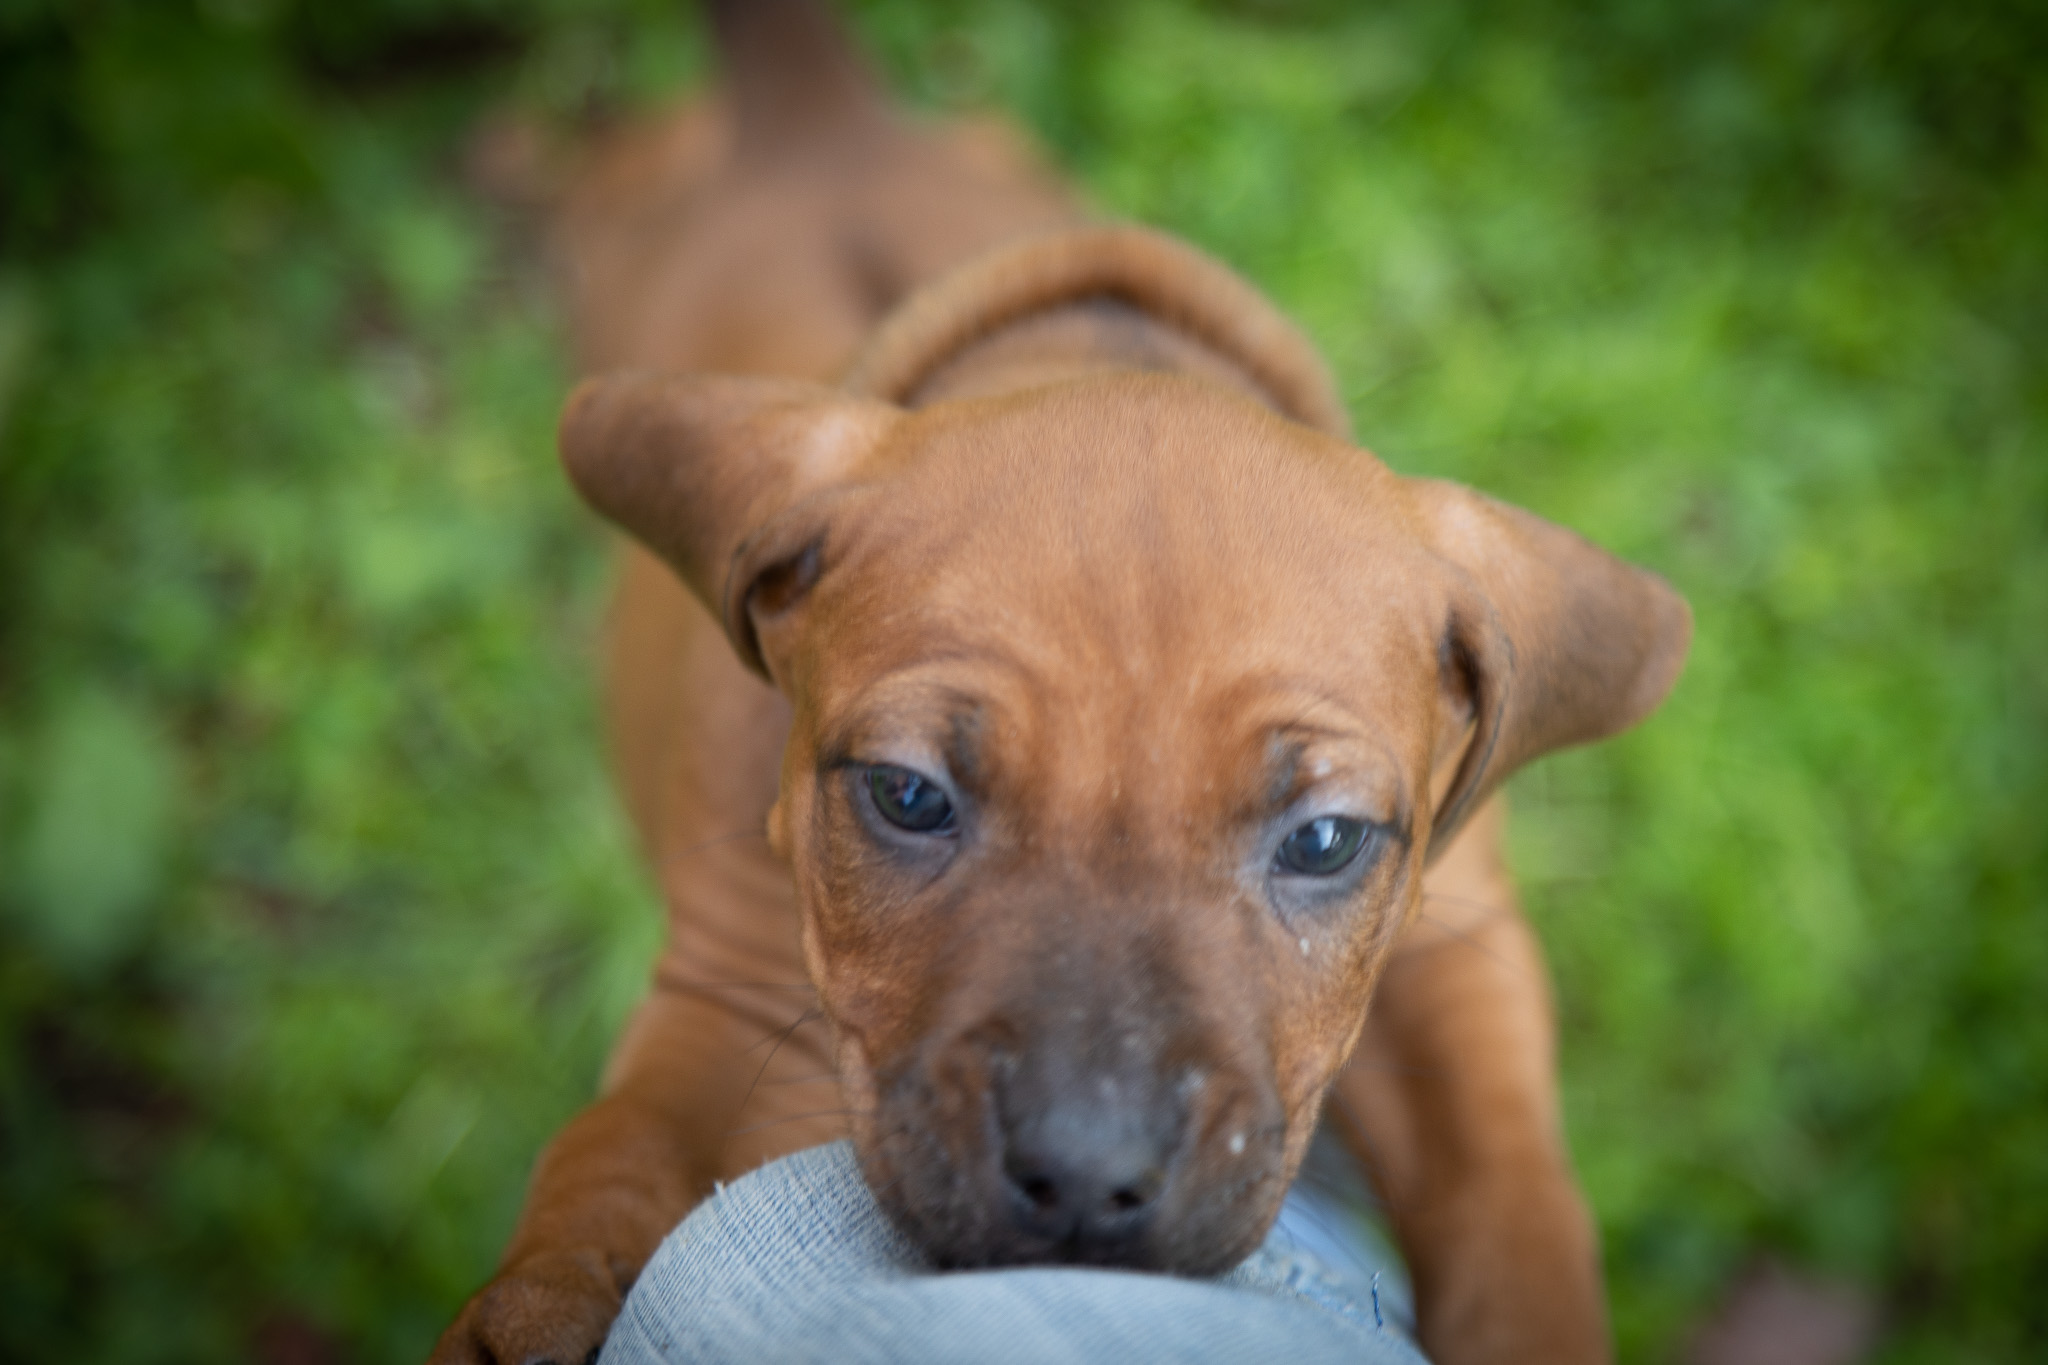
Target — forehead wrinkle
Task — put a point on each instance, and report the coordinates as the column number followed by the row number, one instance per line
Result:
column 1283, row 763
column 943, row 699
column 1294, row 704
column 964, row 734
column 1285, row 720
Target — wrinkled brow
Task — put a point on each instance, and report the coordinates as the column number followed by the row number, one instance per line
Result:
column 1283, row 768
column 1288, row 723
column 965, row 745
column 941, row 702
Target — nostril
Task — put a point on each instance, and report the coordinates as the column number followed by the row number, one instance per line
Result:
column 1135, row 1195
column 1043, row 1194
column 1037, row 1181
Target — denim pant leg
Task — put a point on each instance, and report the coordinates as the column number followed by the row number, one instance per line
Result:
column 797, row 1263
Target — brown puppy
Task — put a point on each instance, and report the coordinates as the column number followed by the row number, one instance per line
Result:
column 1108, row 715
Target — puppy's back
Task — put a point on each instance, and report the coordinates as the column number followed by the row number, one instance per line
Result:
column 767, row 228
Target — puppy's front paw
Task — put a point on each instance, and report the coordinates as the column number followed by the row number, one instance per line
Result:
column 550, row 1309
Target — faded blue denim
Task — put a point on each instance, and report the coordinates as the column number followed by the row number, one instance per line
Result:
column 796, row 1263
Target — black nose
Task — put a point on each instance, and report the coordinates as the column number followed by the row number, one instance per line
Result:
column 1084, row 1171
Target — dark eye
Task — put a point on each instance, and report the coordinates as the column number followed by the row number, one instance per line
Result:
column 1322, row 847
column 909, row 800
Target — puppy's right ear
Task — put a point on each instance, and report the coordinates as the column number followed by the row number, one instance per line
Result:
column 727, row 479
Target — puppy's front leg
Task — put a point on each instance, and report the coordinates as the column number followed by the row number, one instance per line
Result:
column 1451, row 1102
column 609, row 1188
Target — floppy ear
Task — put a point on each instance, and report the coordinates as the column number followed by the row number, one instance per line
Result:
column 732, row 481
column 1551, row 640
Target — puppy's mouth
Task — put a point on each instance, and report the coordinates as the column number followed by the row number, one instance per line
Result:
column 988, row 1156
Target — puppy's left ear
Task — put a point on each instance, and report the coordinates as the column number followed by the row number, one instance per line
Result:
column 735, row 482
column 1551, row 641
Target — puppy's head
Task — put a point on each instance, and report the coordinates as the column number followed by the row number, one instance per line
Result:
column 1127, row 714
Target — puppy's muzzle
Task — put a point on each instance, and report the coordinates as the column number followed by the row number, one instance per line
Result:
column 1065, row 1131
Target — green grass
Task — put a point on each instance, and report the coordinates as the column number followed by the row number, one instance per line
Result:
column 316, row 912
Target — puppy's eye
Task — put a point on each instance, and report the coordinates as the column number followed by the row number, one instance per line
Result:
column 909, row 800
column 1323, row 847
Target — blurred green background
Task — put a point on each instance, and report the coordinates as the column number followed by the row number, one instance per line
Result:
column 316, row 911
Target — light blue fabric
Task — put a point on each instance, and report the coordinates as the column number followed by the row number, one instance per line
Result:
column 796, row 1263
